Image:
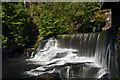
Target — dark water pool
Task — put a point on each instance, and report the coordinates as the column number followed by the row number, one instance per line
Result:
column 15, row 67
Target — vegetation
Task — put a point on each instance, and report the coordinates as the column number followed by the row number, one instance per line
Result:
column 24, row 23
column 16, row 25
column 59, row 18
column 118, row 35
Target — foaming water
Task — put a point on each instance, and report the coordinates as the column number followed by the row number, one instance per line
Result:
column 75, row 56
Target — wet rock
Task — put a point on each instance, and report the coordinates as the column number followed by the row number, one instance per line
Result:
column 29, row 51
column 105, row 77
column 52, row 76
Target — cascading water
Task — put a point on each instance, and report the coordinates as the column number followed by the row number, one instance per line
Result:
column 88, row 55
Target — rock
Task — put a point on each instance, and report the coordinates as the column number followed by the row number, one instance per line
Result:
column 29, row 51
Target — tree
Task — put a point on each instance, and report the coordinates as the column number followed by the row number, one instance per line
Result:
column 59, row 18
column 15, row 25
column 22, row 20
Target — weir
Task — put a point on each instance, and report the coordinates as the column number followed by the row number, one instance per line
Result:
column 85, row 55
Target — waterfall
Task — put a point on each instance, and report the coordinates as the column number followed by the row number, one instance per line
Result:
column 85, row 55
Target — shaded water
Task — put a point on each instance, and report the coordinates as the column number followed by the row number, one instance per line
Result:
column 88, row 55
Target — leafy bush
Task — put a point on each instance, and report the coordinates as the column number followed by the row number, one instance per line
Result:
column 55, row 17
column 20, row 23
column 15, row 25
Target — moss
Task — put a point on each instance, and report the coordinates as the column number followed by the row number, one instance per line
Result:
column 35, row 46
column 65, row 36
column 37, row 41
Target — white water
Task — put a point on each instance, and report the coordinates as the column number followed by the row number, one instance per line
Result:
column 51, row 57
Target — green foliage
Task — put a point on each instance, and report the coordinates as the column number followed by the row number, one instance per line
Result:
column 50, row 18
column 35, row 46
column 59, row 18
column 4, row 40
column 16, row 29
